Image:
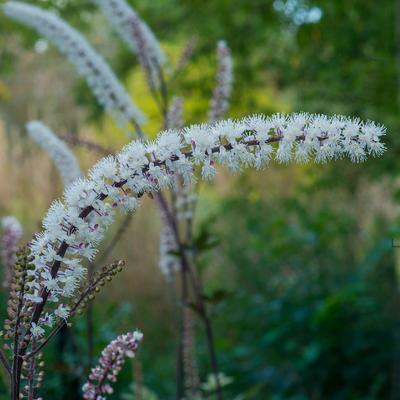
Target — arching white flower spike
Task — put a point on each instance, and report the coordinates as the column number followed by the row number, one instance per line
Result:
column 73, row 228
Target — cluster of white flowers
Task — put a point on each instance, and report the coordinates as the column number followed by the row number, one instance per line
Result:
column 121, row 16
column 70, row 235
column 63, row 158
column 99, row 76
column 11, row 236
column 220, row 100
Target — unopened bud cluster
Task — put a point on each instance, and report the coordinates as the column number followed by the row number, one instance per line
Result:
column 99, row 280
column 18, row 308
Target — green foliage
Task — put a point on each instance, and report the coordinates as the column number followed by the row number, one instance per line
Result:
column 322, row 319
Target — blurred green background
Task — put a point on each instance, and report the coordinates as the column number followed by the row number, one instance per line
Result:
column 305, row 258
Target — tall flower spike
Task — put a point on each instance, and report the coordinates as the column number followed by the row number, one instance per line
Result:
column 71, row 234
column 119, row 13
column 99, row 76
column 110, row 364
column 63, row 158
column 135, row 33
column 11, row 236
column 222, row 91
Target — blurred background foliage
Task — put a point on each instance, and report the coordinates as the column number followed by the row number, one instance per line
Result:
column 302, row 273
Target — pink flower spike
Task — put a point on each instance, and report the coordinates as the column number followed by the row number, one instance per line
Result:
column 110, row 364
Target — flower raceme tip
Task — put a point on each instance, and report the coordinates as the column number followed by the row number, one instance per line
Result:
column 110, row 364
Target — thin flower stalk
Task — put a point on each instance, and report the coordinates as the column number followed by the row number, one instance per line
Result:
column 222, row 91
column 64, row 160
column 191, row 373
column 10, row 239
column 91, row 65
column 101, row 378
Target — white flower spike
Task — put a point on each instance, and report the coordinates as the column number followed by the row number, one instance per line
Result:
column 74, row 228
column 91, row 65
column 63, row 158
column 121, row 16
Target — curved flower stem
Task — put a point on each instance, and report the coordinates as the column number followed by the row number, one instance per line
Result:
column 202, row 310
column 180, row 389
